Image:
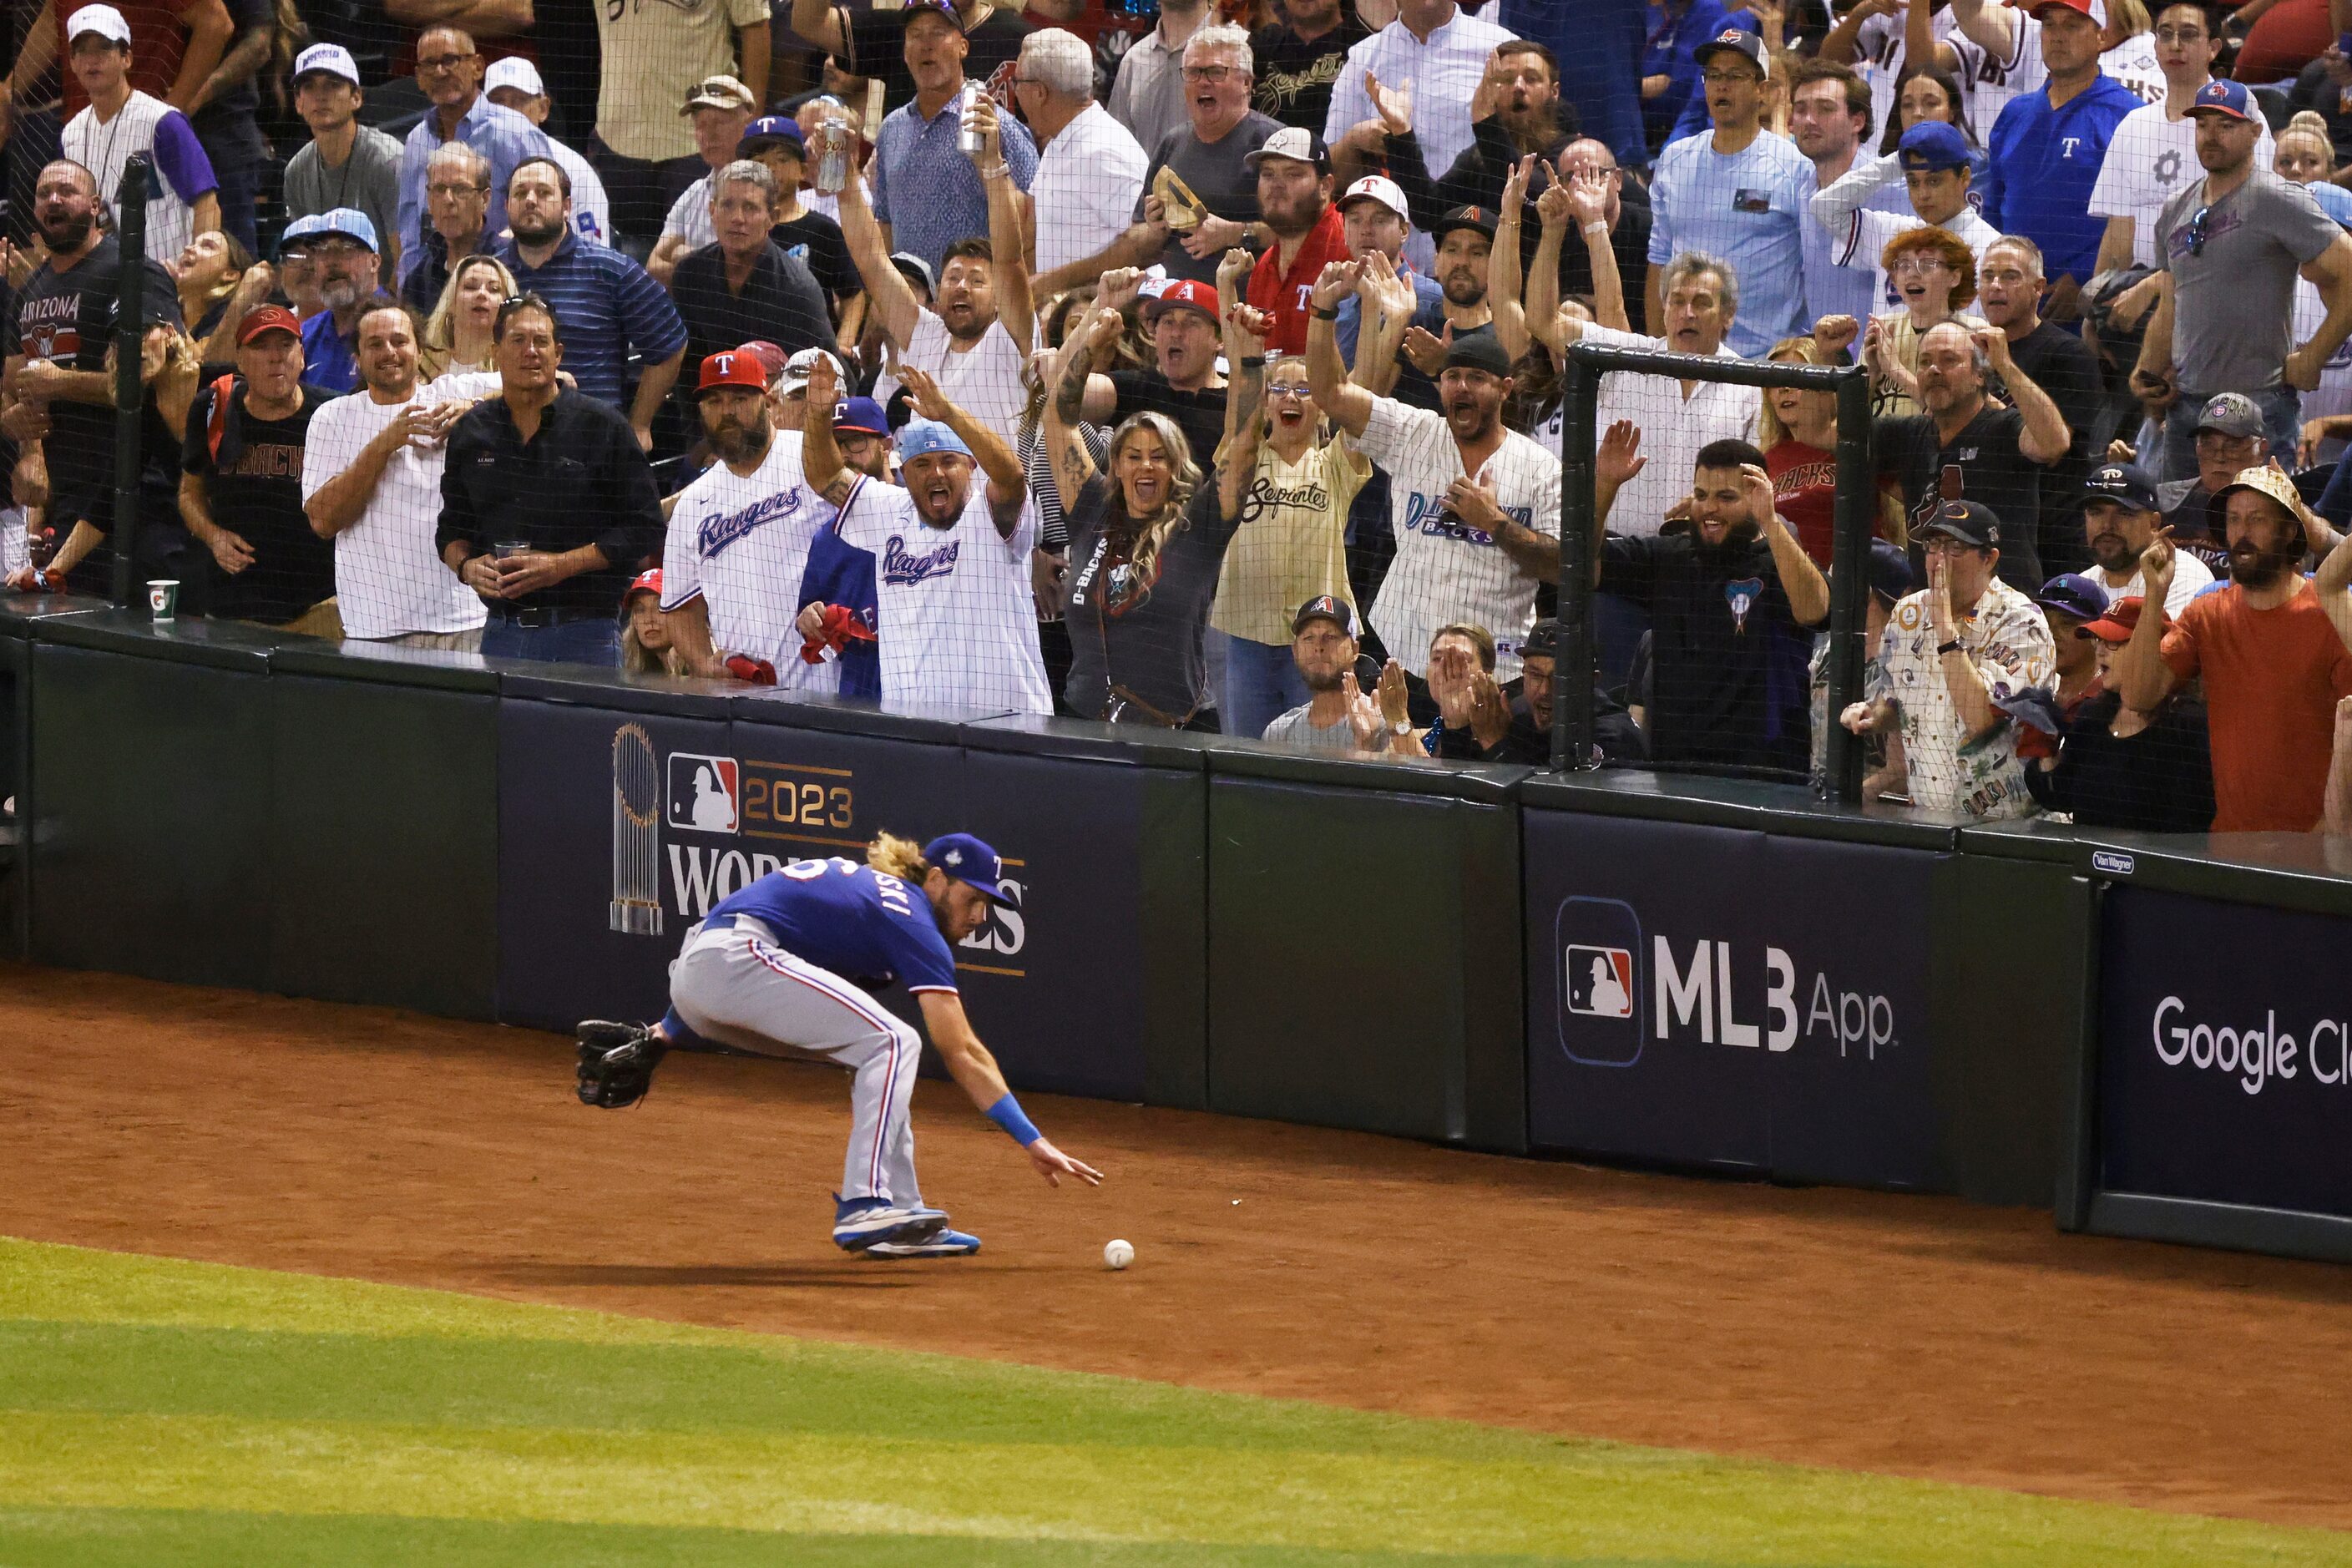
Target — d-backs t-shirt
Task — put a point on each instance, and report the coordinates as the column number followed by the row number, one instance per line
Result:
column 253, row 484
column 64, row 318
column 1135, row 634
column 853, row 920
column 959, row 625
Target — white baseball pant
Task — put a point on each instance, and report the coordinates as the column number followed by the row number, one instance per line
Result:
column 737, row 987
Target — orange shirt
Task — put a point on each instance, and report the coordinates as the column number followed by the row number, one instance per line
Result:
column 2272, row 681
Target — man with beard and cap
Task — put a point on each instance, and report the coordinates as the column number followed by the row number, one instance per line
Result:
column 1949, row 654
column 2000, row 452
column 2120, row 517
column 739, row 536
column 2228, row 440
column 2274, row 650
column 343, row 249
column 975, row 336
column 60, row 396
column 1183, row 322
column 1732, row 600
column 608, row 306
column 958, row 621
column 1514, row 113
column 560, row 474
column 1466, row 246
column 1323, row 646
column 1294, row 201
column 1475, row 507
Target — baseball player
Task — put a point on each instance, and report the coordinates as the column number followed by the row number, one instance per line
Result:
column 767, row 972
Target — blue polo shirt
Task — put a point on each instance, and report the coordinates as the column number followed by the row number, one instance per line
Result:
column 1598, row 44
column 2041, row 165
column 930, row 194
column 501, row 135
column 608, row 305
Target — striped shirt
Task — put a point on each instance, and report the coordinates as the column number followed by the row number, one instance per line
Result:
column 145, row 124
column 607, row 307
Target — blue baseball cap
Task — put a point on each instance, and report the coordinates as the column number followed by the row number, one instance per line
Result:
column 2072, row 593
column 1932, row 145
column 922, row 435
column 301, row 228
column 778, row 128
column 1890, row 570
column 2131, row 486
column 2219, row 97
column 861, row 415
column 968, row 859
column 351, row 224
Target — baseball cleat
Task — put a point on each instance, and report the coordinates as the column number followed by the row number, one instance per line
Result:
column 860, row 1223
column 944, row 1243
column 616, row 1062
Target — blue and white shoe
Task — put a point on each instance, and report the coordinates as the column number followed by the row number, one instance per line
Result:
column 944, row 1243
column 860, row 1223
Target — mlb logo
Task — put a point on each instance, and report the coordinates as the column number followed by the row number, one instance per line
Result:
column 706, row 793
column 1600, row 981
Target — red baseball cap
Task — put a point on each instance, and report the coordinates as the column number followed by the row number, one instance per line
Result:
column 769, row 356
column 2115, row 626
column 1190, row 294
column 269, row 319
column 732, row 367
column 649, row 582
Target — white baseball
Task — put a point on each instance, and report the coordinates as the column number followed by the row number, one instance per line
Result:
column 1117, row 1255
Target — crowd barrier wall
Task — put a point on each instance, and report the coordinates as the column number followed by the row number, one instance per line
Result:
column 1698, row 974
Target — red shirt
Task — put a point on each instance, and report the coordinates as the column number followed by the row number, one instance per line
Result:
column 1284, row 294
column 2272, row 681
column 1804, row 492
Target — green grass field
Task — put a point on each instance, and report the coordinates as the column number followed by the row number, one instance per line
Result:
column 157, row 1412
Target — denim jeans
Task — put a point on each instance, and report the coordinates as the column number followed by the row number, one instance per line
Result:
column 2281, row 409
column 594, row 640
column 1261, row 684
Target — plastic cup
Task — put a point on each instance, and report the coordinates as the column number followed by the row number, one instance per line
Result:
column 506, row 549
column 163, row 598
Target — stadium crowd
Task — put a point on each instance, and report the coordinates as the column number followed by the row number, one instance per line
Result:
column 1201, row 367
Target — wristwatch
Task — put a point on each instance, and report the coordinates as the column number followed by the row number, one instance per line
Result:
column 1402, row 727
column 1952, row 647
column 1321, row 314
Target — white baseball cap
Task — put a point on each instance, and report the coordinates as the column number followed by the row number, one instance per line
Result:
column 516, row 72
column 332, row 59
column 104, row 20
column 1378, row 188
column 797, row 368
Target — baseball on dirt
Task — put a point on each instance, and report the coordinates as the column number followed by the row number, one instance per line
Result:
column 1117, row 1255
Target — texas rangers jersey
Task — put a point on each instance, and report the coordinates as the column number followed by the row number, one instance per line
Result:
column 1445, row 569
column 389, row 578
column 741, row 543
column 958, row 622
column 850, row 919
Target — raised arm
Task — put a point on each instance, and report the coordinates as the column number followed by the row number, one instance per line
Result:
column 1546, row 322
column 1588, row 203
column 1503, row 264
column 1615, row 460
column 1808, row 591
column 1008, row 269
column 821, row 23
column 1992, row 28
column 1834, row 204
column 1073, row 466
column 1245, row 335
column 1008, row 487
column 891, row 297
column 1385, row 313
column 821, row 462
column 2334, row 582
column 2141, row 674
column 2045, row 437
column 209, row 31
column 1348, row 405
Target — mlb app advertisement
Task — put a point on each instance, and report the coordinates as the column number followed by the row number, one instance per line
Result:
column 1707, row 996
column 2225, row 1053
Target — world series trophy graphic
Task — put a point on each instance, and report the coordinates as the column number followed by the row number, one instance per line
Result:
column 637, row 906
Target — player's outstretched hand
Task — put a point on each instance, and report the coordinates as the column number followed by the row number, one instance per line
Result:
column 1053, row 1164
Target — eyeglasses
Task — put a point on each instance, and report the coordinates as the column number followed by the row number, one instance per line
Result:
column 1207, row 73
column 441, row 62
column 1917, row 263
column 339, row 251
column 2199, row 230
column 1294, row 393
column 1724, row 78
column 451, row 192
column 1942, row 545
column 2186, row 36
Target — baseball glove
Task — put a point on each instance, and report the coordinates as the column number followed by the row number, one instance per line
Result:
column 616, row 1063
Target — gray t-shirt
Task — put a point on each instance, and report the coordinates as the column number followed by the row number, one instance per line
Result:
column 1295, row 730
column 368, row 180
column 1216, row 174
column 2235, row 306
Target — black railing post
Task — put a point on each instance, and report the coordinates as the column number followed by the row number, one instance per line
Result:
column 1854, row 523
column 130, row 305
column 1571, row 692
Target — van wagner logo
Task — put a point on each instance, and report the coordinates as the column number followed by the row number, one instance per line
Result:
column 1624, row 990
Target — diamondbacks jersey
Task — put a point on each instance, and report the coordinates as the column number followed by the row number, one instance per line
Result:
column 1445, row 569
column 958, row 622
column 183, row 173
column 389, row 578
column 853, row 920
column 740, row 544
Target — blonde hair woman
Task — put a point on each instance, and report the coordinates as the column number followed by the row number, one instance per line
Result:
column 1797, row 431
column 646, row 645
column 1146, row 541
column 457, row 334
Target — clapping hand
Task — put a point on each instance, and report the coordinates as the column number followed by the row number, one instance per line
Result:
column 1490, row 711
column 1336, row 282
column 1381, row 285
column 1394, row 104
column 1618, row 457
column 1395, row 702
column 1363, row 715
column 1587, row 196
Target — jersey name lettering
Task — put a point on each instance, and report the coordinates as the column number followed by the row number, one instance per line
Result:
column 906, row 567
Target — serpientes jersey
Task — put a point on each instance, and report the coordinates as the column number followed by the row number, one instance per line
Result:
column 848, row 918
column 959, row 621
column 740, row 544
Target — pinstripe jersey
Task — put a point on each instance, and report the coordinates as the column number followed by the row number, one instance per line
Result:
column 740, row 545
column 183, row 173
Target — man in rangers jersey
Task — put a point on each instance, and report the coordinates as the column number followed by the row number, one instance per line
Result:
column 787, row 967
column 959, row 623
column 372, row 482
column 120, row 122
column 1476, row 507
column 739, row 537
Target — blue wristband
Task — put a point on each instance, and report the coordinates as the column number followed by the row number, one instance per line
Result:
column 1006, row 1113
